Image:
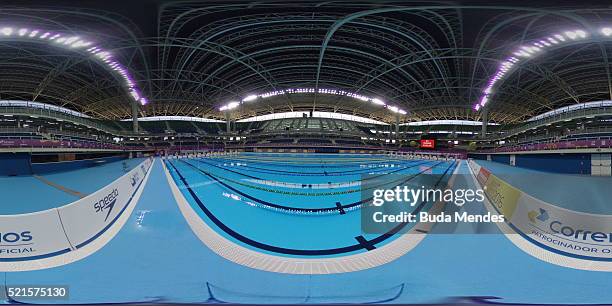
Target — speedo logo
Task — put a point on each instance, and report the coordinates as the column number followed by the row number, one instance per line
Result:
column 107, row 203
column 11, row 237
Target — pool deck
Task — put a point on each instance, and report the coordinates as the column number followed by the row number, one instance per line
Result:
column 157, row 258
column 24, row 194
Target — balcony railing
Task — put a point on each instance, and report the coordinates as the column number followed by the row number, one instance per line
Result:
column 564, row 116
column 584, row 143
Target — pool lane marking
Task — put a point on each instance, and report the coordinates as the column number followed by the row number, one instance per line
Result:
column 288, row 208
column 315, row 194
column 301, row 173
column 301, row 209
column 301, row 163
column 282, row 250
column 373, row 176
column 365, row 243
column 60, row 187
column 340, row 208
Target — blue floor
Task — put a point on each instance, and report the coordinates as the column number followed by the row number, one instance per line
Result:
column 162, row 260
column 25, row 194
column 590, row 194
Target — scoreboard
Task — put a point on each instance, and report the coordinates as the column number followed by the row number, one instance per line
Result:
column 428, row 143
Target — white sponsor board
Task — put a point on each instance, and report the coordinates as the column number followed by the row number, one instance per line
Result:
column 564, row 232
column 59, row 230
column 85, row 219
column 572, row 233
column 35, row 234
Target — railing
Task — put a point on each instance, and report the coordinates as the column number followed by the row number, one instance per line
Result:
column 59, row 115
column 62, row 144
column 461, row 154
column 586, row 143
column 49, row 113
column 303, row 132
column 555, row 137
column 52, row 133
column 57, row 144
column 564, row 116
column 303, row 145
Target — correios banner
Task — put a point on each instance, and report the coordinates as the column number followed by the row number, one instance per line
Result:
column 58, row 231
column 554, row 229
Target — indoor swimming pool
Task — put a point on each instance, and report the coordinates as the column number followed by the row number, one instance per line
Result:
column 438, row 267
column 313, row 200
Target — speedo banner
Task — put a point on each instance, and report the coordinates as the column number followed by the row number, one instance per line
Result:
column 87, row 218
column 59, row 230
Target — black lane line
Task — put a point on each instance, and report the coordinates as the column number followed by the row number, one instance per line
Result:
column 373, row 176
column 335, row 165
column 370, row 177
column 364, row 243
column 291, row 208
column 233, row 171
column 307, row 165
column 288, row 251
column 342, row 212
column 300, row 173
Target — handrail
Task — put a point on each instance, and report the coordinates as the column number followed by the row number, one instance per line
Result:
column 565, row 116
column 583, row 143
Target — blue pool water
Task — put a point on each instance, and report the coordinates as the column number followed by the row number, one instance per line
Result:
column 157, row 258
column 244, row 199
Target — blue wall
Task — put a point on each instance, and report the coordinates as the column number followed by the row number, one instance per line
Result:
column 39, row 168
column 15, row 164
column 560, row 163
column 478, row 156
column 500, row 158
column 574, row 163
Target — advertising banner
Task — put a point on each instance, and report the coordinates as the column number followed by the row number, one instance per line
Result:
column 563, row 231
column 89, row 217
column 59, row 230
column 558, row 230
column 32, row 235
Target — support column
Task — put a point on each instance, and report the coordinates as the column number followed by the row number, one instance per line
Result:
column 397, row 123
column 135, row 117
column 485, row 122
column 397, row 128
column 228, row 123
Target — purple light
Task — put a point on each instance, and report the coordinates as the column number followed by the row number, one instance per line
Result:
column 75, row 42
